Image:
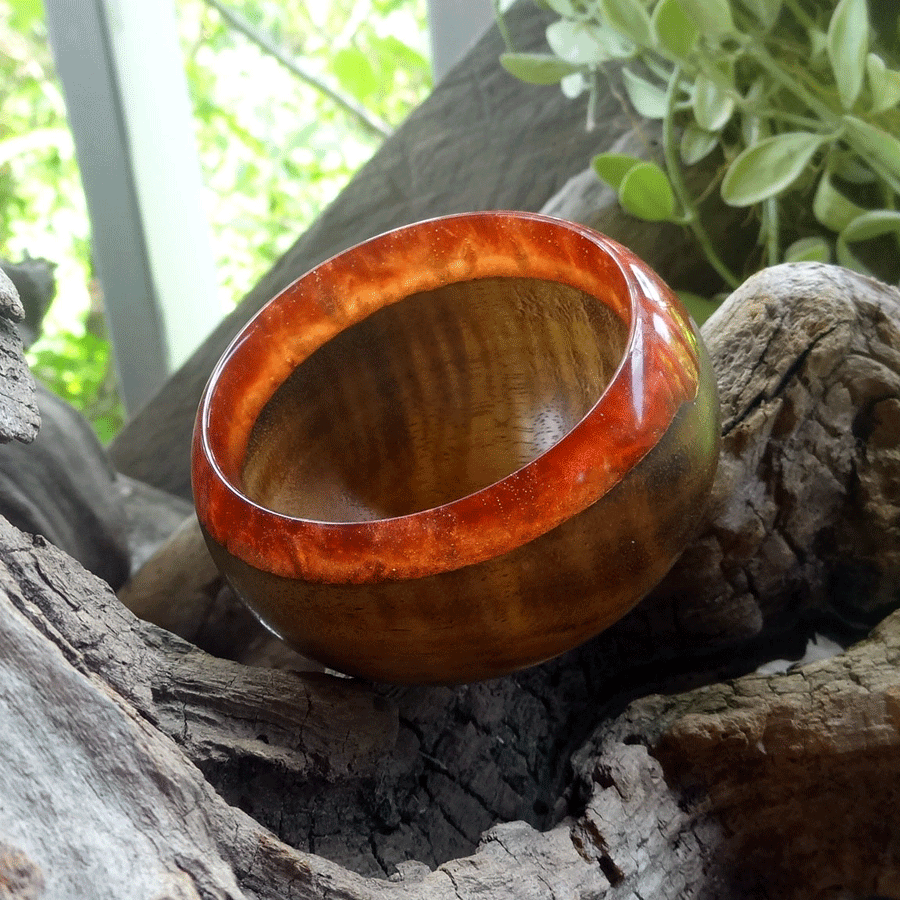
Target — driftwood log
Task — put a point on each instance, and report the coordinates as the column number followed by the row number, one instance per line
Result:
column 19, row 416
column 135, row 764
column 58, row 481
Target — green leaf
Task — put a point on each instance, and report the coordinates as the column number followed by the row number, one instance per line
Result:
column 613, row 167
column 25, row 13
column 696, row 144
column 713, row 103
column 645, row 192
column 537, row 68
column 850, row 167
column 647, row 98
column 769, row 167
column 36, row 141
column 875, row 144
column 753, row 127
column 675, row 30
column 712, row 16
column 767, row 11
column 831, row 208
column 884, row 84
column 354, row 72
column 574, row 85
column 808, row 249
column 848, row 43
column 818, row 43
column 630, row 19
column 586, row 43
column 563, row 8
column 871, row 225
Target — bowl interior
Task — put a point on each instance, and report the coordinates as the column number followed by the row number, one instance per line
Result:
column 432, row 398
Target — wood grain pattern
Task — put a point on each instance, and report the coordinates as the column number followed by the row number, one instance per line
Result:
column 482, row 140
column 431, row 399
column 452, row 411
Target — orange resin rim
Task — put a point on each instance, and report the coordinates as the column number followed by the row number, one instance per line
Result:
column 658, row 373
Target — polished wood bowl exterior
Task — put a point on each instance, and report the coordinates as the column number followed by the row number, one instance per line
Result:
column 458, row 449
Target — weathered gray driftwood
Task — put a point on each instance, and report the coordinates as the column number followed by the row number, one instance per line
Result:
column 804, row 513
column 527, row 786
column 135, row 764
column 61, row 485
column 19, row 416
column 35, row 282
column 780, row 785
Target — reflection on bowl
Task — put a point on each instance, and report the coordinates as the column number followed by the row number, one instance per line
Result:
column 458, row 449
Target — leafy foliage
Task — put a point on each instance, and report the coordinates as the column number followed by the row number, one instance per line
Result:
column 42, row 213
column 274, row 151
column 798, row 97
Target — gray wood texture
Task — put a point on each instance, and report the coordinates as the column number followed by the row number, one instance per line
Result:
column 768, row 785
column 651, row 762
column 536, row 767
column 19, row 416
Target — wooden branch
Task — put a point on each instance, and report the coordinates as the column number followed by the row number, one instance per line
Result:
column 771, row 782
column 217, row 710
column 800, row 772
column 35, row 282
column 803, row 517
column 19, row 416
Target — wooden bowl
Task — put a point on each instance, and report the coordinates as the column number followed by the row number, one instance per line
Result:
column 458, row 449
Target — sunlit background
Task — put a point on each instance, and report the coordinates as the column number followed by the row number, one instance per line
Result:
column 273, row 151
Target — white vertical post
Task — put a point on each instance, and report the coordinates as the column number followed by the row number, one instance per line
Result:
column 123, row 79
column 455, row 25
column 159, row 122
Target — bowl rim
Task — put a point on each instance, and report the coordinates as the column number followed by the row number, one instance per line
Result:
column 658, row 372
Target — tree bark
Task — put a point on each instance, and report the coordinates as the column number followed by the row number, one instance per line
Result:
column 654, row 761
column 19, row 416
column 770, row 785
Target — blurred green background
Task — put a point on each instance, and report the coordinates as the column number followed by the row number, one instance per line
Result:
column 273, row 151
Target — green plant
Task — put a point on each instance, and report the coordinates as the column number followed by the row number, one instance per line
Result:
column 273, row 147
column 799, row 97
column 42, row 213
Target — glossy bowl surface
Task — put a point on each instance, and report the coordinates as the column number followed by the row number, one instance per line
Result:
column 458, row 449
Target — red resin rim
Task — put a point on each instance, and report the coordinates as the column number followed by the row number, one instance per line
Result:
column 659, row 372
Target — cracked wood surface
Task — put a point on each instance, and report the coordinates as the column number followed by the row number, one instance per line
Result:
column 172, row 774
column 297, row 722
column 532, row 786
column 19, row 416
column 749, row 788
column 805, row 509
